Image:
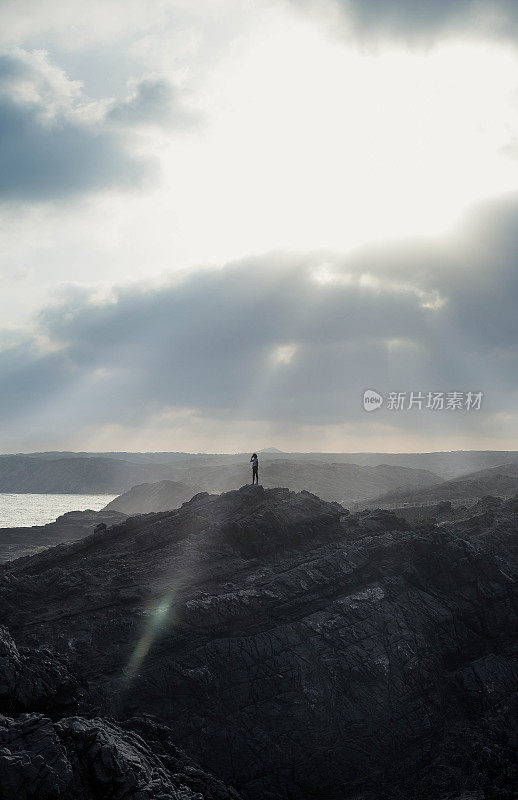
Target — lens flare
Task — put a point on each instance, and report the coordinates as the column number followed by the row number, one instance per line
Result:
column 160, row 616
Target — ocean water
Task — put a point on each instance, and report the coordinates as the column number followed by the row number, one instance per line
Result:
column 23, row 510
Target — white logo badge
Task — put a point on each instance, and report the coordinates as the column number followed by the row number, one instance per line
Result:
column 372, row 400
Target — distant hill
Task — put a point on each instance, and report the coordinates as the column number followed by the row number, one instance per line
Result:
column 446, row 464
column 345, row 483
column 147, row 497
column 499, row 481
column 135, row 458
column 326, row 474
column 75, row 475
column 97, row 474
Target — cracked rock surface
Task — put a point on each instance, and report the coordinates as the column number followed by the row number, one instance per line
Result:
column 86, row 759
column 77, row 758
column 31, row 679
column 295, row 650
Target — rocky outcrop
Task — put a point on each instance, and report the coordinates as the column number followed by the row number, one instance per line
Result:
column 87, row 759
column 297, row 650
column 76, row 758
column 439, row 513
column 17, row 542
column 31, row 679
column 150, row 497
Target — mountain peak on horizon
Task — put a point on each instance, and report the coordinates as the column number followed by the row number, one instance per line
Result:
column 271, row 450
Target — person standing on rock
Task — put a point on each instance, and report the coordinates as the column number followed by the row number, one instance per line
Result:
column 255, row 469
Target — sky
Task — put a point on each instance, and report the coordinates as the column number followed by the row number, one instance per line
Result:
column 222, row 221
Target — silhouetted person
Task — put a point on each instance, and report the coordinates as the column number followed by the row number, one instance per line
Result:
column 255, row 468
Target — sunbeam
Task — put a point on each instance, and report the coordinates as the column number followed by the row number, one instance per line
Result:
column 160, row 616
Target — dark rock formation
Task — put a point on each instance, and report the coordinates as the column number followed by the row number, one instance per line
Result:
column 298, row 651
column 33, row 679
column 439, row 513
column 149, row 497
column 75, row 758
column 87, row 759
column 16, row 542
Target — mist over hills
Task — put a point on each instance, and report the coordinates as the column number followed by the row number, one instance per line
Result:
column 165, row 457
column 118, row 472
column 287, row 647
column 97, row 474
column 94, row 475
column 446, row 464
column 150, row 486
column 151, row 497
column 345, row 483
column 342, row 482
column 501, row 481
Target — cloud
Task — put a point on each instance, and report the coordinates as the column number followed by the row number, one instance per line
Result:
column 427, row 19
column 55, row 142
column 152, row 101
column 420, row 317
column 39, row 163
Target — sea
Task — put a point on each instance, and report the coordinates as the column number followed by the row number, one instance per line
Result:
column 24, row 510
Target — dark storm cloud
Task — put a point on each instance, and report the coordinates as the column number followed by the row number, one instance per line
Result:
column 49, row 146
column 40, row 162
column 205, row 343
column 425, row 19
column 420, row 317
